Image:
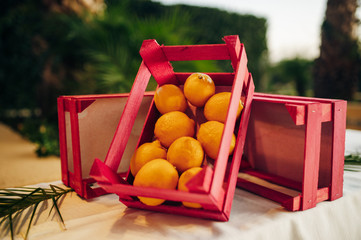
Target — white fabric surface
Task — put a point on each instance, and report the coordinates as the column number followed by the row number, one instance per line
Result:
column 252, row 217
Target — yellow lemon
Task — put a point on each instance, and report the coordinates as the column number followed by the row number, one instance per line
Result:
column 158, row 173
column 173, row 125
column 185, row 153
column 184, row 179
column 198, row 88
column 217, row 106
column 168, row 98
column 209, row 135
column 145, row 153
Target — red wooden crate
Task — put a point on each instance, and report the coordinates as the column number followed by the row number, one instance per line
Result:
column 214, row 186
column 297, row 143
column 86, row 129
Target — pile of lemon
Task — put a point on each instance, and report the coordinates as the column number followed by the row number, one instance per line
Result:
column 175, row 151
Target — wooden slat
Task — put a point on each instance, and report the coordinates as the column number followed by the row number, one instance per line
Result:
column 285, row 182
column 284, row 199
column 326, row 112
column 77, row 180
column 127, row 119
column 168, row 194
column 62, row 141
column 301, row 98
column 338, row 149
column 201, row 182
column 323, row 194
column 196, row 52
column 180, row 210
column 311, row 156
column 157, row 62
column 238, row 150
column 297, row 113
column 235, row 49
column 222, row 158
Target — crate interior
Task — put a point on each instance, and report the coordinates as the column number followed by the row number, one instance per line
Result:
column 275, row 145
column 97, row 124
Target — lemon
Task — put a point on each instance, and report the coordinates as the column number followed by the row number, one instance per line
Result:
column 198, row 88
column 173, row 125
column 210, row 135
column 217, row 106
column 185, row 153
column 168, row 98
column 158, row 173
column 184, row 179
column 145, row 153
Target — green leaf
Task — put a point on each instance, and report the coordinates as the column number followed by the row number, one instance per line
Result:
column 353, row 159
column 31, row 220
column 13, row 201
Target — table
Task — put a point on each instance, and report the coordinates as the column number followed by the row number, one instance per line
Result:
column 252, row 217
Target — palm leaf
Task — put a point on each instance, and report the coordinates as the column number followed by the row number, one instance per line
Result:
column 352, row 161
column 13, row 201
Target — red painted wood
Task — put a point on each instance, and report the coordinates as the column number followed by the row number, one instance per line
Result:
column 238, row 150
column 82, row 105
column 297, row 112
column 285, row 200
column 127, row 119
column 100, row 96
column 62, row 141
column 221, row 162
column 201, row 183
column 274, row 179
column 283, row 100
column 169, row 194
column 92, row 192
column 325, row 106
column 311, row 156
column 338, row 149
column 196, row 52
column 235, row 49
column 301, row 98
column 77, row 181
column 179, row 210
column 323, row 194
column 157, row 63
column 292, row 204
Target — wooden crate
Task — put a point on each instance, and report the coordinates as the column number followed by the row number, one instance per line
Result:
column 86, row 129
column 294, row 151
column 213, row 187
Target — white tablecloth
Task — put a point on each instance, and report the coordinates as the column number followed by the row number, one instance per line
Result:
column 252, row 217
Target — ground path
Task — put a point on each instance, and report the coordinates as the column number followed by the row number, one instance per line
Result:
column 19, row 164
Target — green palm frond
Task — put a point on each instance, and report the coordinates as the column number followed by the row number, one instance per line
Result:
column 13, row 201
column 352, row 162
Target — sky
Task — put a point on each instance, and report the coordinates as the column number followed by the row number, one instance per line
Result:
column 293, row 26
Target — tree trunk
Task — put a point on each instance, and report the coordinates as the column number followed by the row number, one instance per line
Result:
column 337, row 69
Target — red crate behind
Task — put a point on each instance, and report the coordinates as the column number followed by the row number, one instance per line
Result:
column 86, row 129
column 294, row 151
column 213, row 187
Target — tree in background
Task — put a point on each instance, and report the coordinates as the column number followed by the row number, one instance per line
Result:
column 337, row 69
column 291, row 77
column 209, row 25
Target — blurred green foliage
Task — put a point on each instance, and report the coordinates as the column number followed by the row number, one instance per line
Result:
column 45, row 53
column 291, row 77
